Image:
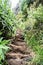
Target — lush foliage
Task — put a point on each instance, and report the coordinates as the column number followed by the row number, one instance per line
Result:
column 32, row 26
column 6, row 26
column 3, row 49
column 6, row 18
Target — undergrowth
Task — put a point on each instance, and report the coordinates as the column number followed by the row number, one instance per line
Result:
column 7, row 19
column 32, row 27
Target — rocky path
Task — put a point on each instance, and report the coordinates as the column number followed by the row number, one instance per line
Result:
column 19, row 53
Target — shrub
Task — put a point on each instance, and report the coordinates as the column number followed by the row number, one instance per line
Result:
column 33, row 30
column 6, row 18
column 3, row 49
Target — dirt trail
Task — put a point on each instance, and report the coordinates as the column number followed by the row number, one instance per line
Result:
column 19, row 53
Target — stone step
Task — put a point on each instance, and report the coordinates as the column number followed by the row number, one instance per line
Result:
column 16, row 39
column 19, row 43
column 16, row 62
column 17, row 55
column 19, row 37
column 23, row 50
column 17, row 48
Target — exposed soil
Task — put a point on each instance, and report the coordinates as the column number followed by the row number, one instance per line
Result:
column 19, row 54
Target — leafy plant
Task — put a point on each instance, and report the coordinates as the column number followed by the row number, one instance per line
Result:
column 34, row 36
column 33, row 30
column 3, row 49
column 6, row 18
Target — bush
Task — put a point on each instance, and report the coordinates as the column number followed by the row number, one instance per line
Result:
column 6, row 18
column 34, row 36
column 33, row 30
column 3, row 49
column 6, row 28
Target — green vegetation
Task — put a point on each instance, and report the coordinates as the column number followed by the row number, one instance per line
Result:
column 30, row 20
column 6, row 26
column 6, row 18
column 3, row 49
column 33, row 29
